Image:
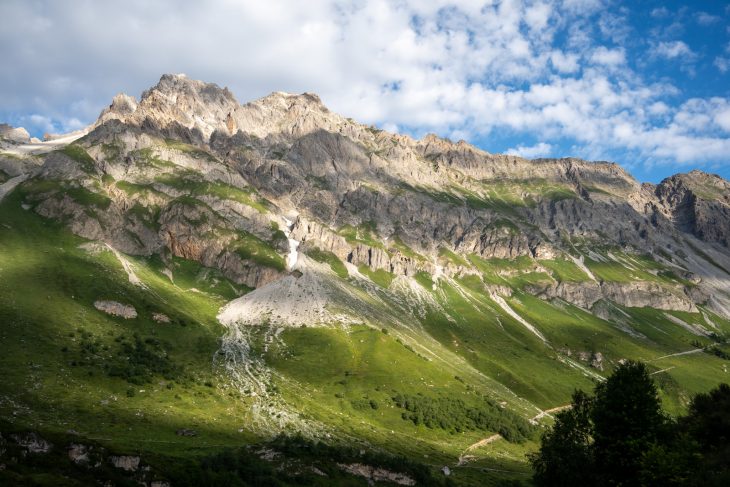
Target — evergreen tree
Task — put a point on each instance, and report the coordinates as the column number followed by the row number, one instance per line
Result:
column 565, row 457
column 627, row 421
column 620, row 437
column 708, row 425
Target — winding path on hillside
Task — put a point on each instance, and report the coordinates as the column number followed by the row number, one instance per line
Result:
column 548, row 412
column 688, row 352
column 464, row 458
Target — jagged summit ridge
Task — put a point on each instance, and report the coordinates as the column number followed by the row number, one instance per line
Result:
column 204, row 108
column 180, row 106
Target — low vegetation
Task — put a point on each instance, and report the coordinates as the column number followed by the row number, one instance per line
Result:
column 455, row 416
column 365, row 233
column 381, row 277
column 327, row 257
column 79, row 154
column 251, row 247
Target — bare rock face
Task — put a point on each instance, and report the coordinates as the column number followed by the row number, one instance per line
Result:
column 122, row 105
column 161, row 318
column 177, row 105
column 32, row 442
column 375, row 474
column 191, row 173
column 597, row 361
column 699, row 204
column 79, row 454
column 638, row 294
column 125, row 462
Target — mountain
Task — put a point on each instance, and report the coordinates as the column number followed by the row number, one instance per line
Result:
column 239, row 271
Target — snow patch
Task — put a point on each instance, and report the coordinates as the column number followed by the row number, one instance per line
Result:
column 292, row 257
column 709, row 321
column 596, row 257
column 35, row 148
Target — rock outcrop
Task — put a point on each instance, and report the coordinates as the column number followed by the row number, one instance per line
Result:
column 637, row 294
column 116, row 309
column 32, row 442
column 698, row 203
column 129, row 463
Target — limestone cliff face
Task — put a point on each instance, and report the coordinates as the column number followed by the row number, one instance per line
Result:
column 637, row 294
column 191, row 172
column 698, row 203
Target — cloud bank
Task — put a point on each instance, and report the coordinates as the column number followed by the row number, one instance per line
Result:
column 540, row 77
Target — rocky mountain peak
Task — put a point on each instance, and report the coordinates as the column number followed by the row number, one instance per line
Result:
column 701, row 184
column 432, row 143
column 288, row 101
column 179, row 85
column 301, row 126
column 176, row 103
column 698, row 203
column 122, row 105
column 179, row 104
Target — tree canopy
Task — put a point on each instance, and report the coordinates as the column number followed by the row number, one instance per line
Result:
column 621, row 437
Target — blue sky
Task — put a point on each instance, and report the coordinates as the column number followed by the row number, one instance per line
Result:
column 645, row 84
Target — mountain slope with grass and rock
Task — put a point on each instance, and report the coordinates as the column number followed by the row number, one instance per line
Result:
column 275, row 278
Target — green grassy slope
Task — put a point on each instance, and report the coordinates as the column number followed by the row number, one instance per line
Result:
column 131, row 384
column 56, row 345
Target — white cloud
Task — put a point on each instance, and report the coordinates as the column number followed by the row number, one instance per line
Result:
column 672, row 50
column 565, row 63
column 703, row 18
column 608, row 57
column 540, row 149
column 722, row 64
column 540, row 69
column 658, row 108
column 40, row 122
column 722, row 118
column 538, row 15
column 615, row 27
column 583, row 6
